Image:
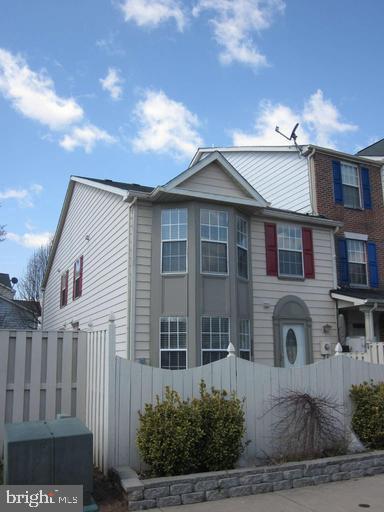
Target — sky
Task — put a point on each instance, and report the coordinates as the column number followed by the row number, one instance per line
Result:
column 128, row 89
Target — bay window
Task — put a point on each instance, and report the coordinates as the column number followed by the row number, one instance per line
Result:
column 245, row 339
column 214, row 241
column 173, row 343
column 242, row 247
column 174, row 236
column 214, row 338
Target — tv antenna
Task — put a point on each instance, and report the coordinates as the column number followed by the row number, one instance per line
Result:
column 293, row 136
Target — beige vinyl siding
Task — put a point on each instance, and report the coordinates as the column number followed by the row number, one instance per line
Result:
column 267, row 290
column 281, row 177
column 103, row 217
column 213, row 180
column 143, row 281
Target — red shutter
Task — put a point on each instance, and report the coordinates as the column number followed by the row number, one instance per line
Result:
column 271, row 249
column 81, row 277
column 66, row 287
column 74, row 282
column 309, row 263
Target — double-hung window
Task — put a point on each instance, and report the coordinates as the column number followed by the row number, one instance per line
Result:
column 351, row 185
column 290, row 250
column 214, row 338
column 64, row 289
column 214, row 241
column 242, row 247
column 174, row 235
column 78, row 278
column 245, row 339
column 357, row 262
column 173, row 343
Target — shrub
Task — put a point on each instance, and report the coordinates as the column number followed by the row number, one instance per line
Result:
column 169, row 435
column 204, row 434
column 368, row 416
column 222, row 423
column 307, row 426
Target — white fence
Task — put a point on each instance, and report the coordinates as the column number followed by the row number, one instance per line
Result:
column 42, row 374
column 374, row 354
column 120, row 388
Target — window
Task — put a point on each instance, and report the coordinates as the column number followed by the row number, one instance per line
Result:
column 78, row 278
column 173, row 343
column 64, row 289
column 357, row 262
column 245, row 339
column 242, row 247
column 214, row 241
column 214, row 338
column 290, row 250
column 174, row 228
column 351, row 185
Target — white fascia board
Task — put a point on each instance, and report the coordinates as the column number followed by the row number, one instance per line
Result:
column 356, row 236
column 211, row 197
column 299, row 217
column 238, row 149
column 101, row 186
column 354, row 301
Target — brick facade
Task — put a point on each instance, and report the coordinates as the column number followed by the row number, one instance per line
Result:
column 369, row 222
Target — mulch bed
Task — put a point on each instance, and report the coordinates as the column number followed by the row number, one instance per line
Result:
column 108, row 493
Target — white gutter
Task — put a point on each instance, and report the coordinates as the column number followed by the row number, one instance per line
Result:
column 297, row 217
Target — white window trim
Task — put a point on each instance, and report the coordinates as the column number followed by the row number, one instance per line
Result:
column 174, row 349
column 360, row 207
column 356, row 285
column 202, row 350
column 215, row 242
column 242, row 247
column 356, row 236
column 292, row 276
column 173, row 272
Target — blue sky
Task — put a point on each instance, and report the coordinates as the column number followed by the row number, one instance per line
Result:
column 127, row 89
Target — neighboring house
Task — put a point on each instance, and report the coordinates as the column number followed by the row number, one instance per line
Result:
column 340, row 186
column 16, row 314
column 190, row 266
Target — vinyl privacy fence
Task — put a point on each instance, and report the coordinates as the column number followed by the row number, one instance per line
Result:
column 373, row 354
column 120, row 388
column 42, row 374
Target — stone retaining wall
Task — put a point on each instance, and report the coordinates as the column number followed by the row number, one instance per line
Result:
column 195, row 488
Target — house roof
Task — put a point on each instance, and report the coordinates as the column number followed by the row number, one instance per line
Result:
column 31, row 305
column 135, row 187
column 375, row 149
column 5, row 280
column 358, row 296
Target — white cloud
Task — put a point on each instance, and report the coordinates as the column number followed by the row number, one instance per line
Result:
column 152, row 13
column 33, row 94
column 319, row 124
column 166, row 126
column 323, row 118
column 24, row 196
column 113, row 83
column 31, row 240
column 85, row 137
column 235, row 22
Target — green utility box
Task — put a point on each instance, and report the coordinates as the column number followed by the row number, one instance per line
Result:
column 49, row 452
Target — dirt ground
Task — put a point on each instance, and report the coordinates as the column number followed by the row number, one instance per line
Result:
column 108, row 494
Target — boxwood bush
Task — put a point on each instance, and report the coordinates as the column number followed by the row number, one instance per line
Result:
column 204, row 434
column 368, row 415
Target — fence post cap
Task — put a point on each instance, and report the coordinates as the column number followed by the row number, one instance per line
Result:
column 111, row 317
column 231, row 350
column 338, row 349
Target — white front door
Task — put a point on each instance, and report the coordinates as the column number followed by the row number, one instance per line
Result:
column 294, row 345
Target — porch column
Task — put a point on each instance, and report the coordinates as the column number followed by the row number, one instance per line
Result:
column 369, row 327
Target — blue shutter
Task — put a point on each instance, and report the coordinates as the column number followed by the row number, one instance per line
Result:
column 343, row 262
column 337, row 183
column 372, row 265
column 366, row 188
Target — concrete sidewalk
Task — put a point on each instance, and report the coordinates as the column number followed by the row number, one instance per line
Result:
column 348, row 496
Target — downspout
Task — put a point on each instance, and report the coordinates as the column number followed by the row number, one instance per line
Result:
column 131, row 280
column 312, row 186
